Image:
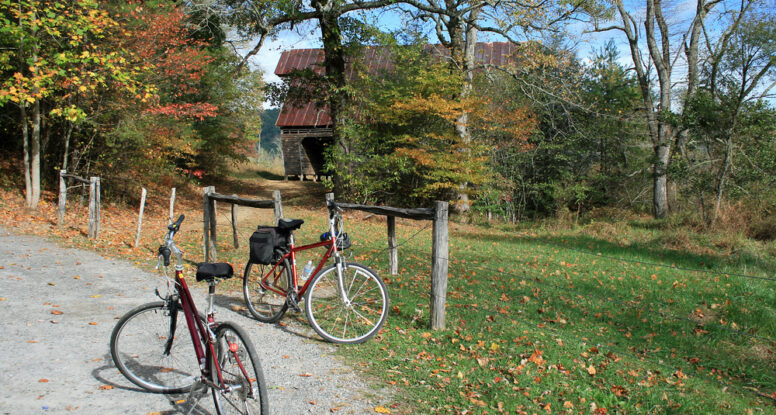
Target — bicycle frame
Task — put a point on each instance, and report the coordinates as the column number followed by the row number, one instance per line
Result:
column 197, row 329
column 291, row 257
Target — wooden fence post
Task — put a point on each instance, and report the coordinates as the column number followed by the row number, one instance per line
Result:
column 212, row 209
column 234, row 225
column 99, row 207
column 62, row 199
column 172, row 205
column 92, row 233
column 205, row 224
column 209, row 219
column 140, row 217
column 393, row 252
column 439, row 264
column 278, row 206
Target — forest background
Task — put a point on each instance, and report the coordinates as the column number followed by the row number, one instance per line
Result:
column 160, row 92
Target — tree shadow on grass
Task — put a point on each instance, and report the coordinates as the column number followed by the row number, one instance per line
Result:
column 649, row 252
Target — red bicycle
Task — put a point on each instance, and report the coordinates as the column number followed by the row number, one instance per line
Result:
column 148, row 344
column 345, row 302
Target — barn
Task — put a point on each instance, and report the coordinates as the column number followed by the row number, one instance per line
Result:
column 305, row 128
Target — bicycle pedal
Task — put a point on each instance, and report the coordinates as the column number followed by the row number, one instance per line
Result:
column 294, row 303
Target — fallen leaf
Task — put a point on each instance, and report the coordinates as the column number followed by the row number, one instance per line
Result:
column 382, row 410
column 312, row 402
column 591, row 370
column 105, row 387
column 51, row 283
column 56, row 312
column 96, row 296
column 44, row 380
column 305, row 375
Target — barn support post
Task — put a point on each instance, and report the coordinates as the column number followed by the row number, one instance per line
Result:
column 140, row 216
column 278, row 206
column 393, row 252
column 234, row 225
column 439, row 253
column 62, row 199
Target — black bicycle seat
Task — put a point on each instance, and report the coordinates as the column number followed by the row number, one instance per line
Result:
column 290, row 224
column 207, row 271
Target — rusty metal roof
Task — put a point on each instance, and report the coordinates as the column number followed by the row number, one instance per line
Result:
column 376, row 58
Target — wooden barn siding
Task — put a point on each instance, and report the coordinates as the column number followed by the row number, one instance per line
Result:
column 295, row 160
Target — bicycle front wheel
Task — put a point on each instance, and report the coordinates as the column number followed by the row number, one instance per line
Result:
column 244, row 390
column 265, row 288
column 359, row 316
column 153, row 350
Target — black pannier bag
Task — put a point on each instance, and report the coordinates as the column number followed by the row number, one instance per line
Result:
column 263, row 243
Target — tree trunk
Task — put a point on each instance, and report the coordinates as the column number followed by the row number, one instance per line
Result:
column 722, row 177
column 68, row 134
column 334, row 64
column 660, row 194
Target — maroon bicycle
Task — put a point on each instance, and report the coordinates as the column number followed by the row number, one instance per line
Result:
column 149, row 343
column 345, row 302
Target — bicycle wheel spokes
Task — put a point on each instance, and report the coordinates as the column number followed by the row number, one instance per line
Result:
column 139, row 346
column 265, row 291
column 354, row 320
column 244, row 390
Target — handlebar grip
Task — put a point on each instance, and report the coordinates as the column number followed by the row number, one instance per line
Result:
column 177, row 224
column 164, row 252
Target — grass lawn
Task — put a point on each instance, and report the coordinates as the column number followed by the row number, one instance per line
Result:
column 569, row 321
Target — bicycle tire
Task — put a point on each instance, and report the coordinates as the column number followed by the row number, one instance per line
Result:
column 138, row 343
column 264, row 304
column 341, row 323
column 240, row 395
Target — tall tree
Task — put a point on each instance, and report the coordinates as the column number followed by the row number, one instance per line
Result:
column 457, row 25
column 51, row 54
column 660, row 96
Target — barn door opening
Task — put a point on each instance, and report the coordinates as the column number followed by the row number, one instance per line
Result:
column 313, row 148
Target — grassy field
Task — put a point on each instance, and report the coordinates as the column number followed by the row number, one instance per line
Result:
column 625, row 317
column 571, row 321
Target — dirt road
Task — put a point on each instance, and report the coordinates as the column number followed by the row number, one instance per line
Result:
column 58, row 308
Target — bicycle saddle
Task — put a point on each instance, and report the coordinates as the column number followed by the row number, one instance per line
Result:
column 207, row 271
column 290, row 224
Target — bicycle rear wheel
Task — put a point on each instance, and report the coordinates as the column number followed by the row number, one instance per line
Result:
column 355, row 320
column 245, row 391
column 154, row 352
column 259, row 281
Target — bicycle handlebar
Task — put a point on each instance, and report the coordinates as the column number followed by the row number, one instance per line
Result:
column 166, row 249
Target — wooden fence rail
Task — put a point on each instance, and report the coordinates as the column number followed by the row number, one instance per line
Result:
column 439, row 251
column 209, row 215
column 94, row 201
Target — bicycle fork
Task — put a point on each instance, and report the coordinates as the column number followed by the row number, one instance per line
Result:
column 340, row 264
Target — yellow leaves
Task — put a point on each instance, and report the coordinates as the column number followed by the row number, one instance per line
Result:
column 382, row 410
column 591, row 370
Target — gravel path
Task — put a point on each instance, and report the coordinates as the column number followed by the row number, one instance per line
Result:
column 59, row 306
